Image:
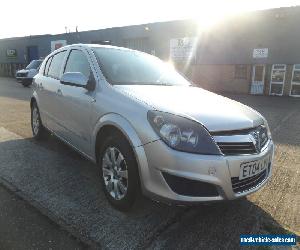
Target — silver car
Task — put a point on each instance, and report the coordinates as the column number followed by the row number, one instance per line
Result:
column 148, row 129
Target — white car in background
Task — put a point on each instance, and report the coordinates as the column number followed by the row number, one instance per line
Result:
column 26, row 75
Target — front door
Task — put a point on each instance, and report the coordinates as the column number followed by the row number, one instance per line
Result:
column 258, row 79
column 77, row 104
column 277, row 79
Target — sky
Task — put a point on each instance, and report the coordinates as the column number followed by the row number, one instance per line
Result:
column 32, row 17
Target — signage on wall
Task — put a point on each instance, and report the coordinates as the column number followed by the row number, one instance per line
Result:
column 260, row 53
column 58, row 44
column 182, row 49
column 11, row 53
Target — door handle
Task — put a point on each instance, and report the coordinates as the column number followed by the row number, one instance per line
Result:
column 59, row 92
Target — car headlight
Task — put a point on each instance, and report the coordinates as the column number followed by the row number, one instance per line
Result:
column 182, row 134
column 268, row 128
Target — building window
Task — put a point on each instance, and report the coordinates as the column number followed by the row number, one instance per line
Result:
column 295, row 83
column 240, row 71
column 141, row 44
column 277, row 79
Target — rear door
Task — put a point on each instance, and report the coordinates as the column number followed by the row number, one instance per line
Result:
column 77, row 102
column 39, row 82
column 49, row 90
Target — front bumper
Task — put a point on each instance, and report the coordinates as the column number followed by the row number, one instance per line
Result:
column 217, row 170
column 24, row 79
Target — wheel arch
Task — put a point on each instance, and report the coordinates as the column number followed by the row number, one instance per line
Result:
column 123, row 126
column 114, row 122
column 34, row 98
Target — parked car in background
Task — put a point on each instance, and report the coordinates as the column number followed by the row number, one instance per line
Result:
column 148, row 128
column 26, row 75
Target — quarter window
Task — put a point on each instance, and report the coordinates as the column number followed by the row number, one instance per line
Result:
column 56, row 65
column 78, row 62
column 46, row 69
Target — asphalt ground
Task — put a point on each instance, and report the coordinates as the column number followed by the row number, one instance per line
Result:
column 23, row 227
column 65, row 187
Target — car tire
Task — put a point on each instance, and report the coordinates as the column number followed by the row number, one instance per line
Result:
column 38, row 130
column 119, row 172
column 26, row 83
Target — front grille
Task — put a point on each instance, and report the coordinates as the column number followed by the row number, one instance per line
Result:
column 240, row 142
column 244, row 185
column 187, row 187
column 236, row 148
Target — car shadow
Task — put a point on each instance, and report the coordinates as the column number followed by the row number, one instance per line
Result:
column 217, row 226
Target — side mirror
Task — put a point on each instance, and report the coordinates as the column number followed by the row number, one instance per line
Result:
column 76, row 79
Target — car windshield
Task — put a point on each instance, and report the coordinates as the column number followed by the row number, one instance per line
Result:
column 34, row 64
column 127, row 67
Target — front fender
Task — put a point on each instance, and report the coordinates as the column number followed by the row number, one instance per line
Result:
column 35, row 97
column 120, row 123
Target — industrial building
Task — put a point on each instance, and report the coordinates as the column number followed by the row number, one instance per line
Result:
column 255, row 53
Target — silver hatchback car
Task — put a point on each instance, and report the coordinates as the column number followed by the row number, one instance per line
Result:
column 148, row 129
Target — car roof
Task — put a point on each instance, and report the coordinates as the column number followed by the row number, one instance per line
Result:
column 86, row 45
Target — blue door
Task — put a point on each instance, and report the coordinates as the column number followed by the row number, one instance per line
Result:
column 32, row 53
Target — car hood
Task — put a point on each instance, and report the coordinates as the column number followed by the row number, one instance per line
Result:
column 215, row 112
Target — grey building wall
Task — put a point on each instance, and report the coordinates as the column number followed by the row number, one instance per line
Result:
column 230, row 43
column 156, row 37
column 233, row 41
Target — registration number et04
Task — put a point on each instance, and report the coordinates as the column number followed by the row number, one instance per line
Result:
column 251, row 168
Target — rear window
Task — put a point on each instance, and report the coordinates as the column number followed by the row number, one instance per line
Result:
column 56, row 65
column 46, row 69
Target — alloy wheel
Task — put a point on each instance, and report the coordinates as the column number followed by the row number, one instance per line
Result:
column 35, row 120
column 115, row 173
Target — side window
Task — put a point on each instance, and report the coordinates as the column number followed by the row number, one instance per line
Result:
column 56, row 64
column 46, row 68
column 78, row 62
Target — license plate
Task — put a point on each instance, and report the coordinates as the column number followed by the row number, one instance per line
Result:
column 251, row 168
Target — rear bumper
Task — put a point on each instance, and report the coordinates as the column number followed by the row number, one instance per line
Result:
column 216, row 171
